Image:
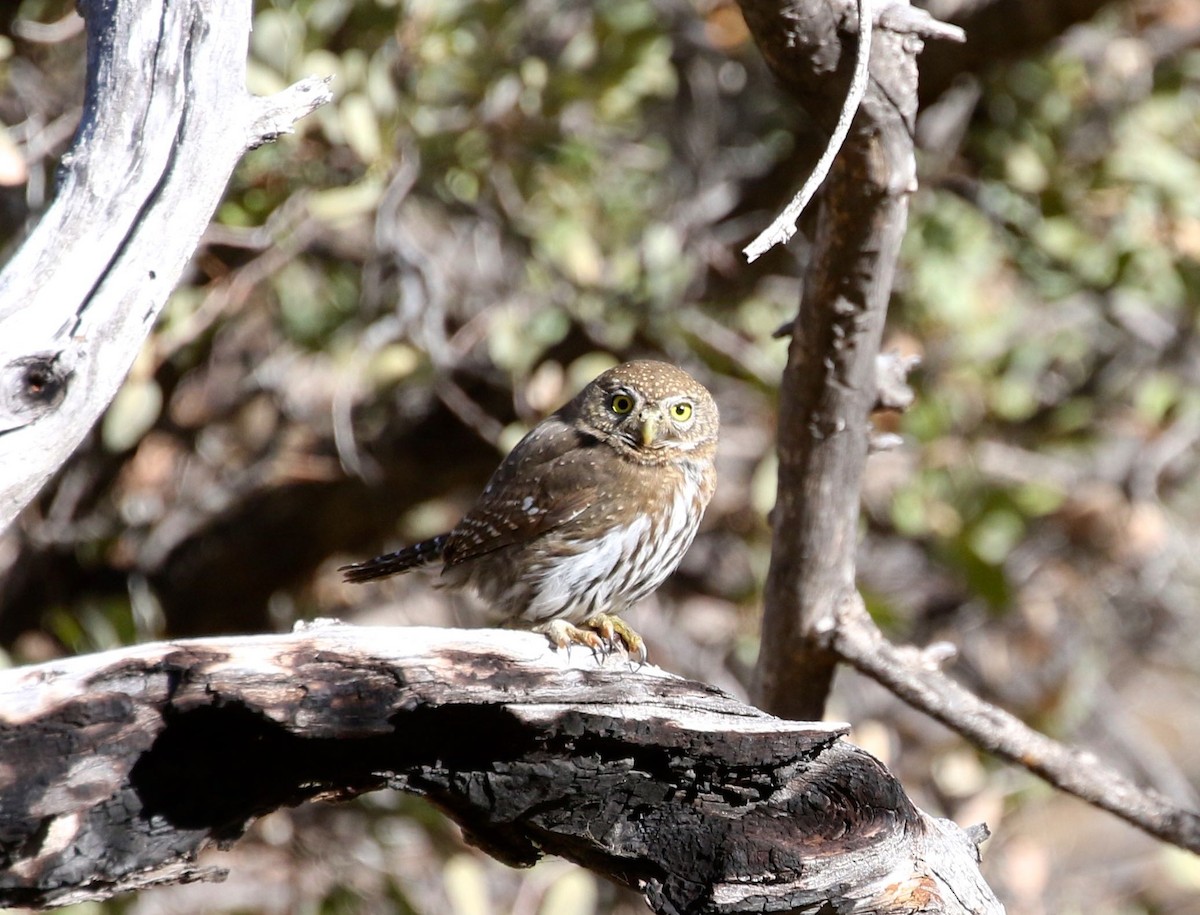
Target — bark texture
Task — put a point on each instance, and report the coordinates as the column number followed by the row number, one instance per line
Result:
column 829, row 388
column 119, row 768
column 166, row 118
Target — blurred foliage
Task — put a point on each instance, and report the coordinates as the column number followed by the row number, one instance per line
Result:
column 1053, row 285
column 505, row 198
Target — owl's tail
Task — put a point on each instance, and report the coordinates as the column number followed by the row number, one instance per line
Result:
column 411, row 557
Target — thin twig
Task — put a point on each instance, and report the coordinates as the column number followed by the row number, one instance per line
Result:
column 784, row 226
column 381, row 333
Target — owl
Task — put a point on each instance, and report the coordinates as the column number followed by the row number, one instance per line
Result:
column 589, row 513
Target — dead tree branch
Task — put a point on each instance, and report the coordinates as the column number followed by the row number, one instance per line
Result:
column 814, row 616
column 905, row 672
column 784, row 225
column 119, row 768
column 166, row 118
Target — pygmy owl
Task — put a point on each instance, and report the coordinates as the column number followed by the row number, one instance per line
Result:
column 589, row 513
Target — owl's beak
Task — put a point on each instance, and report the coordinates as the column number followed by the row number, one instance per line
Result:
column 652, row 419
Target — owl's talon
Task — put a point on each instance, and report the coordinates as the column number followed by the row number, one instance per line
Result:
column 563, row 635
column 603, row 634
column 604, row 626
column 615, row 631
column 641, row 653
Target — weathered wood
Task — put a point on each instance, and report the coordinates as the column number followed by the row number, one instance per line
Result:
column 116, row 769
column 166, row 118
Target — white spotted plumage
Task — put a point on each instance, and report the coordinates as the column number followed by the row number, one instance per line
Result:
column 616, row 570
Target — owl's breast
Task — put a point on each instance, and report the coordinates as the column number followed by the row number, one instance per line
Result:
column 612, row 550
column 615, row 553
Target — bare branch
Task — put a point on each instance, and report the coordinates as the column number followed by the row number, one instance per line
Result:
column 829, row 386
column 277, row 114
column 920, row 684
column 121, row 766
column 150, row 161
column 898, row 18
column 784, row 225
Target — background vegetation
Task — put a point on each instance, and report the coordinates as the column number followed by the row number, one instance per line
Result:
column 506, row 198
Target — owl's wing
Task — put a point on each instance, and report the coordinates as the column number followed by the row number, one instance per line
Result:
column 543, row 484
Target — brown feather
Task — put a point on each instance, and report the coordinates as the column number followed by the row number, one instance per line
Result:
column 536, row 489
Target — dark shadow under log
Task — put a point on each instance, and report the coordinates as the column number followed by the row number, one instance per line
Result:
column 117, row 769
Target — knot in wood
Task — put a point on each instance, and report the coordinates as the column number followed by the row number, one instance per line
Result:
column 32, row 386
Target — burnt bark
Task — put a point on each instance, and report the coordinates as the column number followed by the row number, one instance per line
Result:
column 122, row 766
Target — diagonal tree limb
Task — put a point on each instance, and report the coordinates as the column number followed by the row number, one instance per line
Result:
column 858, row 642
column 166, row 118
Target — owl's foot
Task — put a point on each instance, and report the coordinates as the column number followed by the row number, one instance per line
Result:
column 613, row 628
column 601, row 633
column 564, row 635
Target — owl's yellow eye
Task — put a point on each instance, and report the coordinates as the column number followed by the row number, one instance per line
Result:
column 621, row 404
column 681, row 412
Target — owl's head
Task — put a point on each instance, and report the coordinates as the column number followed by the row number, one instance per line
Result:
column 648, row 408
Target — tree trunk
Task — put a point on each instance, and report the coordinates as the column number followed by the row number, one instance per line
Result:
column 829, row 388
